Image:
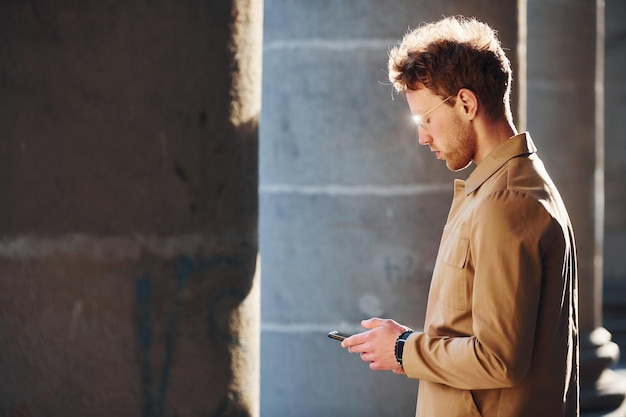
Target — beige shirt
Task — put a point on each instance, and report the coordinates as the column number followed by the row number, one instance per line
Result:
column 501, row 331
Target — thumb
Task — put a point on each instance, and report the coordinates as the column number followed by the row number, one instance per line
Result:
column 373, row 323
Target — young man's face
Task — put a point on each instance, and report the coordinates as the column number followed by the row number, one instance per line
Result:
column 442, row 128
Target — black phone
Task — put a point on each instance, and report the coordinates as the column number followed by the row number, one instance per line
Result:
column 338, row 335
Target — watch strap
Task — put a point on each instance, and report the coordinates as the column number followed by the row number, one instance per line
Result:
column 400, row 345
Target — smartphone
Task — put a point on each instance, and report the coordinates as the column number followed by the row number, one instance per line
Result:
column 338, row 335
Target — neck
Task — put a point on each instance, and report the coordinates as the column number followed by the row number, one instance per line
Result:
column 491, row 134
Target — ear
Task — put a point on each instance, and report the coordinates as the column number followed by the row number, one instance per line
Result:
column 469, row 102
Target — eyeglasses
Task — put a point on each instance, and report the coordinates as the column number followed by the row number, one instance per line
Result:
column 419, row 118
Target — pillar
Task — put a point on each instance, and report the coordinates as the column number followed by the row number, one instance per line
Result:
column 351, row 207
column 566, row 117
column 128, row 208
column 615, row 161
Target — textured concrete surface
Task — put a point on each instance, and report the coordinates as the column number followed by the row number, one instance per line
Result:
column 351, row 208
column 128, row 208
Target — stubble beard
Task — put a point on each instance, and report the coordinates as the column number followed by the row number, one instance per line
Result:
column 462, row 144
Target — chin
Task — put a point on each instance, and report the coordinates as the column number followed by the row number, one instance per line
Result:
column 457, row 167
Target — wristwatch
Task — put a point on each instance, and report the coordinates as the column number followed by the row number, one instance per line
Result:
column 400, row 345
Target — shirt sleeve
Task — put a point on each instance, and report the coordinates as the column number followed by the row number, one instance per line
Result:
column 504, row 266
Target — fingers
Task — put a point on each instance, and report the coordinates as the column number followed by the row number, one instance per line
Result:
column 373, row 322
column 347, row 343
column 373, row 345
column 354, row 340
column 370, row 324
column 366, row 357
column 376, row 322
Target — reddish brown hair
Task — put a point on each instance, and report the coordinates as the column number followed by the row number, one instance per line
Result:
column 454, row 53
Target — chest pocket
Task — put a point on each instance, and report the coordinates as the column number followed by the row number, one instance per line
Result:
column 454, row 285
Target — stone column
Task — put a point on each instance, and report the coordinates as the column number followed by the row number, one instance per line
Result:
column 565, row 116
column 128, row 208
column 351, row 207
column 615, row 162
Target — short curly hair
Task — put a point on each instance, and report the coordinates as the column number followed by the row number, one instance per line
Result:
column 453, row 53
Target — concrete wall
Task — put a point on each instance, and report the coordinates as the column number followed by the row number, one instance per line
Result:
column 128, row 209
column 615, row 142
column 561, row 118
column 351, row 208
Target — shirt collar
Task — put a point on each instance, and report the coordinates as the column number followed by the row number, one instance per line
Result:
column 517, row 145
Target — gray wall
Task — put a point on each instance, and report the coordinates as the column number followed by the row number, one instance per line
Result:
column 128, row 208
column 615, row 142
column 351, row 208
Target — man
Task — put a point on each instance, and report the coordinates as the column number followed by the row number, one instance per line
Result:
column 500, row 336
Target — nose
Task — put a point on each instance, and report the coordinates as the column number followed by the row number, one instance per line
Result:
column 423, row 138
